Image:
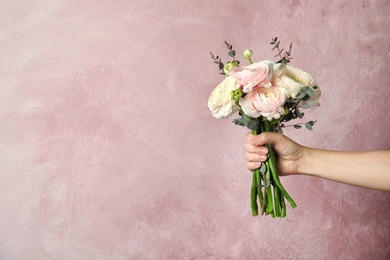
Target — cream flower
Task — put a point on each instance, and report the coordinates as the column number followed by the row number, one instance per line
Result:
column 292, row 79
column 220, row 101
column 267, row 102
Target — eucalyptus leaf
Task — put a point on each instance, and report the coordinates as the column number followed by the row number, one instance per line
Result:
column 267, row 182
column 240, row 121
column 300, row 95
column 297, row 126
column 263, row 168
column 252, row 125
column 305, row 89
column 309, row 126
column 232, row 53
column 306, row 98
column 298, row 113
column 305, row 106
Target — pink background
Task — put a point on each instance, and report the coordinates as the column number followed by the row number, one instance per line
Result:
column 108, row 150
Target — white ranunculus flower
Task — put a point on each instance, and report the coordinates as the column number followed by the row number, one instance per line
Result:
column 292, row 79
column 220, row 101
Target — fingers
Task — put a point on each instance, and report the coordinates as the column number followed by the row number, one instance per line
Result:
column 254, row 154
column 265, row 138
column 254, row 157
column 253, row 165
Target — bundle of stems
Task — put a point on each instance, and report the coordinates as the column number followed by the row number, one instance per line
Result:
column 266, row 185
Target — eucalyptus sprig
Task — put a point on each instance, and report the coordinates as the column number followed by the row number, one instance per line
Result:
column 225, row 68
column 217, row 60
column 232, row 53
column 286, row 58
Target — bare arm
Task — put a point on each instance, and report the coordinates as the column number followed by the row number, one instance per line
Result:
column 364, row 169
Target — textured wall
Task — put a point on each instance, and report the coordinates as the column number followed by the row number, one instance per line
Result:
column 108, row 150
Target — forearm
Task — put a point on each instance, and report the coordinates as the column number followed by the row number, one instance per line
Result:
column 364, row 169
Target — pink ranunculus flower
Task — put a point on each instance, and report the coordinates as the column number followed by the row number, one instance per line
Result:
column 267, row 102
column 220, row 101
column 252, row 76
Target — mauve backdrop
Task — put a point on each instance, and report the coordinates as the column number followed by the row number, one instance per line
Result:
column 108, row 150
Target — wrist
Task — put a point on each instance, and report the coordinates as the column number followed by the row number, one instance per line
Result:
column 305, row 161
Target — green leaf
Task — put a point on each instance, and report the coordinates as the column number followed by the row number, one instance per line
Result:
column 252, row 125
column 300, row 95
column 298, row 113
column 221, row 65
column 263, row 168
column 310, row 92
column 309, row 126
column 306, row 98
column 240, row 121
column 232, row 53
column 305, row 89
column 297, row 126
column 305, row 106
column 267, row 182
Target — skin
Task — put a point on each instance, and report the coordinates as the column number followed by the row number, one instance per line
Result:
column 369, row 169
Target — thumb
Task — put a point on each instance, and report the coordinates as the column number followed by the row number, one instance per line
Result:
column 266, row 138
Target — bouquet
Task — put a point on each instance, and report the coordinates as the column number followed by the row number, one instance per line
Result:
column 266, row 95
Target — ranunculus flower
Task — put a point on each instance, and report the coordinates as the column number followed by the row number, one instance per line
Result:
column 292, row 79
column 252, row 76
column 220, row 101
column 267, row 102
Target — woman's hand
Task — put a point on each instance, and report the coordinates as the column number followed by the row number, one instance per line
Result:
column 288, row 152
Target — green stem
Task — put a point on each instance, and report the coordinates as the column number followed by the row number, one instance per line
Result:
column 275, row 177
column 255, row 188
column 276, row 201
column 271, row 163
column 282, row 206
column 255, row 210
column 258, row 185
column 269, row 206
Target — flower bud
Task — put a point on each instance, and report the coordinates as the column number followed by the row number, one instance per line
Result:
column 247, row 54
column 236, row 94
column 228, row 66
